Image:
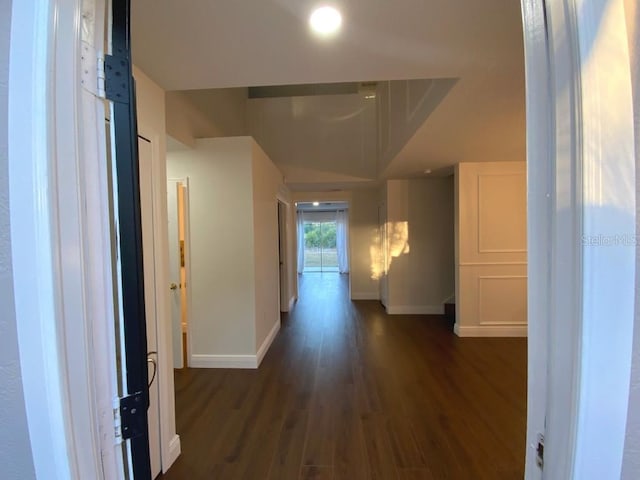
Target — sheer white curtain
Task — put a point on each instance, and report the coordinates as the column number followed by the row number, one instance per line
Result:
column 300, row 241
column 342, row 240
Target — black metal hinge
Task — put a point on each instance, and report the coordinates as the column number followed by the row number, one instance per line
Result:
column 132, row 415
column 117, row 79
column 540, row 451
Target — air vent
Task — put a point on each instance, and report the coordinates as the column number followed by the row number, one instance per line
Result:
column 312, row 89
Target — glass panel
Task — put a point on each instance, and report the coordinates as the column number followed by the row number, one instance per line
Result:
column 320, row 253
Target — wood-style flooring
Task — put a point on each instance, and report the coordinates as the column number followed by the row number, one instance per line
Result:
column 348, row 392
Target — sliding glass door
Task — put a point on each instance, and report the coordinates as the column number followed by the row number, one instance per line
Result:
column 320, row 248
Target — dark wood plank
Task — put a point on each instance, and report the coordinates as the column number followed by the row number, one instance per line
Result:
column 378, row 448
column 316, row 473
column 416, row 474
column 288, row 456
column 348, row 392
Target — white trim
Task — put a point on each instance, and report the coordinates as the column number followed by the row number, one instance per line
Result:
column 580, row 182
column 224, row 361
column 60, row 232
column 262, row 351
column 540, row 171
column 292, row 302
column 490, row 330
column 41, row 353
column 365, row 295
column 236, row 361
column 609, row 210
column 415, row 309
column 164, row 377
column 490, row 264
column 173, row 452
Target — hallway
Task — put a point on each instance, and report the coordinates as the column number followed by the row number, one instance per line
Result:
column 348, row 392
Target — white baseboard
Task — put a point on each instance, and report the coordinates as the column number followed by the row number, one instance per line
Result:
column 174, row 453
column 365, row 296
column 223, row 361
column 262, row 351
column 490, row 330
column 292, row 302
column 236, row 361
column 415, row 309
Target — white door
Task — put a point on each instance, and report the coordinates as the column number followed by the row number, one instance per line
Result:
column 146, row 207
column 174, row 270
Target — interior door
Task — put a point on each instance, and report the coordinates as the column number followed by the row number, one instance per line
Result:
column 145, row 153
column 282, row 253
column 174, row 271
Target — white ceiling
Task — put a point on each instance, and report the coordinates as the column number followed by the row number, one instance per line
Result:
column 201, row 44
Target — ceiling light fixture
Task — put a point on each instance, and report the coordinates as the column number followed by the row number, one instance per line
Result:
column 427, row 171
column 315, row 204
column 325, row 21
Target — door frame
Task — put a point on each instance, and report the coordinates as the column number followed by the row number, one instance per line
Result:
column 59, row 207
column 65, row 371
column 575, row 197
column 309, row 197
column 170, row 441
column 284, row 299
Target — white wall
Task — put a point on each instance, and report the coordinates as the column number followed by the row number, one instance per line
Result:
column 323, row 138
column 403, row 106
column 267, row 180
column 233, row 190
column 631, row 460
column 384, row 244
column 420, row 272
column 222, row 245
column 206, row 114
column 15, row 447
column 364, row 238
column 491, row 250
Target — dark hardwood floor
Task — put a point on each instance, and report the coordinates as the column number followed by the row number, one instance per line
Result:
column 348, row 392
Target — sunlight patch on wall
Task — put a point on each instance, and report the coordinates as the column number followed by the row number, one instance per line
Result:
column 394, row 243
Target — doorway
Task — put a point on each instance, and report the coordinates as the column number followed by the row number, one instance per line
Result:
column 177, row 210
column 320, row 251
column 323, row 237
column 27, row 132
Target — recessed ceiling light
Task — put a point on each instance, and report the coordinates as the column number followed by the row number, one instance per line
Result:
column 315, row 204
column 325, row 21
column 427, row 171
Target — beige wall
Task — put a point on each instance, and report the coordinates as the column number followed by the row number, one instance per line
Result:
column 403, row 106
column 419, row 230
column 233, row 189
column 384, row 244
column 206, row 114
column 364, row 239
column 491, row 251
column 222, row 245
column 267, row 180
